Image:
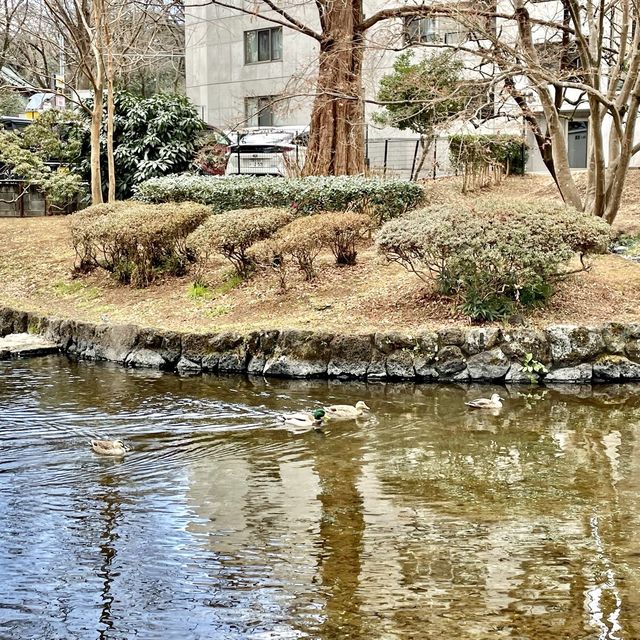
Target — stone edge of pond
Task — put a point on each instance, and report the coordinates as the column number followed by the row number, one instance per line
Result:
column 572, row 353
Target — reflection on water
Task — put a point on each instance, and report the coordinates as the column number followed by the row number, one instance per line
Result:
column 426, row 521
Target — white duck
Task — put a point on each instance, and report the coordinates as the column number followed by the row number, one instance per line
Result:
column 494, row 402
column 114, row 448
column 304, row 419
column 346, row 411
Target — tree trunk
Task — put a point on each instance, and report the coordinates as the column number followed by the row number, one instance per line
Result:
column 336, row 142
column 111, row 165
column 424, row 146
column 96, row 173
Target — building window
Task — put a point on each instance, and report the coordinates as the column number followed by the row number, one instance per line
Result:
column 263, row 45
column 432, row 30
column 259, row 111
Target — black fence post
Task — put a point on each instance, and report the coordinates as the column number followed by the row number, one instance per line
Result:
column 20, row 202
column 384, row 162
column 435, row 157
column 415, row 157
column 367, row 163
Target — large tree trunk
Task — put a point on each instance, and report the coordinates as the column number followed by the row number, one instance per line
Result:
column 336, row 142
column 96, row 173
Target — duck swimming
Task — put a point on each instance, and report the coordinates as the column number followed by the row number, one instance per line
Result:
column 346, row 411
column 114, row 448
column 311, row 420
column 495, row 402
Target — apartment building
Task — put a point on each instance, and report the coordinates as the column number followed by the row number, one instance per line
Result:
column 243, row 71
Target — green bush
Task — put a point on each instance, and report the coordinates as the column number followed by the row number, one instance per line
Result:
column 232, row 233
column 384, row 199
column 495, row 255
column 152, row 137
column 60, row 186
column 134, row 241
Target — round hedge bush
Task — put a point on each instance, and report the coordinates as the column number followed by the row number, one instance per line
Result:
column 495, row 254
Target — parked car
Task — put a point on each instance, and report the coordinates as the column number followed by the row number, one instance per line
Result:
column 273, row 151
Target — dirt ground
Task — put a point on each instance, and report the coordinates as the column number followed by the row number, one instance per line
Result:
column 36, row 260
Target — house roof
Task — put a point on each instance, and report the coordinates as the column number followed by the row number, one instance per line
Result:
column 14, row 79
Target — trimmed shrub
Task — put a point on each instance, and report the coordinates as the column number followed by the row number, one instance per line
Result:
column 303, row 239
column 232, row 233
column 270, row 254
column 135, row 241
column 496, row 254
column 341, row 232
column 384, row 199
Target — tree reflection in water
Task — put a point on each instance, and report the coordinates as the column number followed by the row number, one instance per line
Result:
column 428, row 521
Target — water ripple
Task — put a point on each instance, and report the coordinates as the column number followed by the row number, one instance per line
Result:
column 424, row 521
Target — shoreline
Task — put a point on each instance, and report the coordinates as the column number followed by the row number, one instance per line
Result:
column 571, row 353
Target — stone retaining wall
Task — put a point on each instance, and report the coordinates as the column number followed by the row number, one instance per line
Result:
column 610, row 352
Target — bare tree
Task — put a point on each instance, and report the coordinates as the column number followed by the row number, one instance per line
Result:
column 550, row 60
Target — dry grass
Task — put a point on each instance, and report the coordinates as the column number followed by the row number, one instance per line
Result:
column 36, row 259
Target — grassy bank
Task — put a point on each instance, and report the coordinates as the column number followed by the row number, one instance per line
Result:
column 36, row 259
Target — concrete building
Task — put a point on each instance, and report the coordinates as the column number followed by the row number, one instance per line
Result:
column 243, row 71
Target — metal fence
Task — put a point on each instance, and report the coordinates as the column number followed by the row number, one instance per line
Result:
column 400, row 157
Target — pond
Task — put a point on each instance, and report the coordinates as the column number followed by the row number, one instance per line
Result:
column 425, row 521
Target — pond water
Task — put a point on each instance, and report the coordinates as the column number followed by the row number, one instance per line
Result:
column 424, row 521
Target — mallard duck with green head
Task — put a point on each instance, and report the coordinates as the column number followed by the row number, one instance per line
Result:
column 304, row 419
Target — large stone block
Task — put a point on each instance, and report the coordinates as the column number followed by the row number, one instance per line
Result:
column 300, row 354
column 424, row 356
column 260, row 347
column 83, row 339
column 399, row 365
column 228, row 353
column 451, row 336
column 612, row 367
column 196, row 345
column 577, row 374
column 12, row 321
column 146, row 358
column 112, row 342
column 516, row 375
column 481, row 339
column 350, row 356
column 517, row 343
column 168, row 344
column 449, row 361
column 571, row 344
column 488, row 365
